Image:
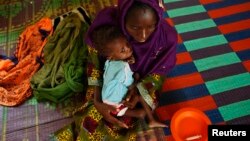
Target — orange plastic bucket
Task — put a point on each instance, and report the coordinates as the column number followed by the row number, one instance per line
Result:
column 189, row 124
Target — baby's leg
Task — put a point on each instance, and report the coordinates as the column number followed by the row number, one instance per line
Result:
column 152, row 122
column 137, row 113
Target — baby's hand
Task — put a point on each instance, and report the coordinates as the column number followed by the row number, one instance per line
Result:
column 131, row 99
column 131, row 60
column 136, row 77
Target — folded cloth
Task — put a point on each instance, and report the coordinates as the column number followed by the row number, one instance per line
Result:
column 15, row 77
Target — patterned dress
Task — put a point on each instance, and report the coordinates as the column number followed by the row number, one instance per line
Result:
column 88, row 122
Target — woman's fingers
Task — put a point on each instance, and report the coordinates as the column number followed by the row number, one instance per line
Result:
column 114, row 120
column 127, row 103
column 118, row 122
column 105, row 110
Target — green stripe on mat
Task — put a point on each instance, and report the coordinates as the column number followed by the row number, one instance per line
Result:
column 3, row 38
column 205, row 42
column 13, row 36
column 216, row 61
column 196, row 25
column 228, row 83
column 4, row 122
column 186, row 11
column 170, row 1
column 37, row 123
column 235, row 110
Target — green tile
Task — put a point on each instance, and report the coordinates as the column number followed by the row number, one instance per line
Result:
column 205, row 42
column 216, row 61
column 186, row 11
column 196, row 25
column 170, row 1
column 235, row 110
column 228, row 83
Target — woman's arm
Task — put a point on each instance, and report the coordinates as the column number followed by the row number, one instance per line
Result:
column 149, row 88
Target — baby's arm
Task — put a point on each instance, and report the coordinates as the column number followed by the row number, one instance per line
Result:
column 132, row 92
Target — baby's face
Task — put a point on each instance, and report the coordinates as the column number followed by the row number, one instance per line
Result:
column 120, row 49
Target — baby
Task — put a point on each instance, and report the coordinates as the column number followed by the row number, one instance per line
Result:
column 118, row 77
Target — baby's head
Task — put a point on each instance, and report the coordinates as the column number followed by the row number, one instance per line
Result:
column 110, row 42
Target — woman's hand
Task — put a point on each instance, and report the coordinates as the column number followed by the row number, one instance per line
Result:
column 105, row 110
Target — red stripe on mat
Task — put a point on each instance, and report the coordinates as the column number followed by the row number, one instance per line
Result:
column 217, row 13
column 247, row 65
column 179, row 39
column 240, row 45
column 169, row 21
column 182, row 81
column 209, row 1
column 235, row 26
column 184, row 57
column 204, row 103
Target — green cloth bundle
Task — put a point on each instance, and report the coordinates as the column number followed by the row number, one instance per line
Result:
column 65, row 62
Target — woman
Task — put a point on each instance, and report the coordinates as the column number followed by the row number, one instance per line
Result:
column 153, row 40
column 154, row 44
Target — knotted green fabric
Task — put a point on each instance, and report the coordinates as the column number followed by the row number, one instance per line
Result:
column 65, row 61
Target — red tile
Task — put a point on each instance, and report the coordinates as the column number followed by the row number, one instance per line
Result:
column 240, row 45
column 204, row 103
column 221, row 12
column 209, row 1
column 247, row 65
column 182, row 81
column 183, row 57
column 235, row 26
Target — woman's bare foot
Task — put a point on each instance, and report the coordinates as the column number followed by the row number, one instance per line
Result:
column 153, row 124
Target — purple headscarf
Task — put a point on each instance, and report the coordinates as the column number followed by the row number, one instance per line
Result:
column 156, row 55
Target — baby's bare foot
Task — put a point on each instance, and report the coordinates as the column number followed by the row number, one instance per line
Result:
column 153, row 124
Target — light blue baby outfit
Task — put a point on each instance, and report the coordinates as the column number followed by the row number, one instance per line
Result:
column 116, row 80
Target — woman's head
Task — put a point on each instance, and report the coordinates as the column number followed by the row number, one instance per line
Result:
column 155, row 53
column 140, row 21
column 111, row 43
